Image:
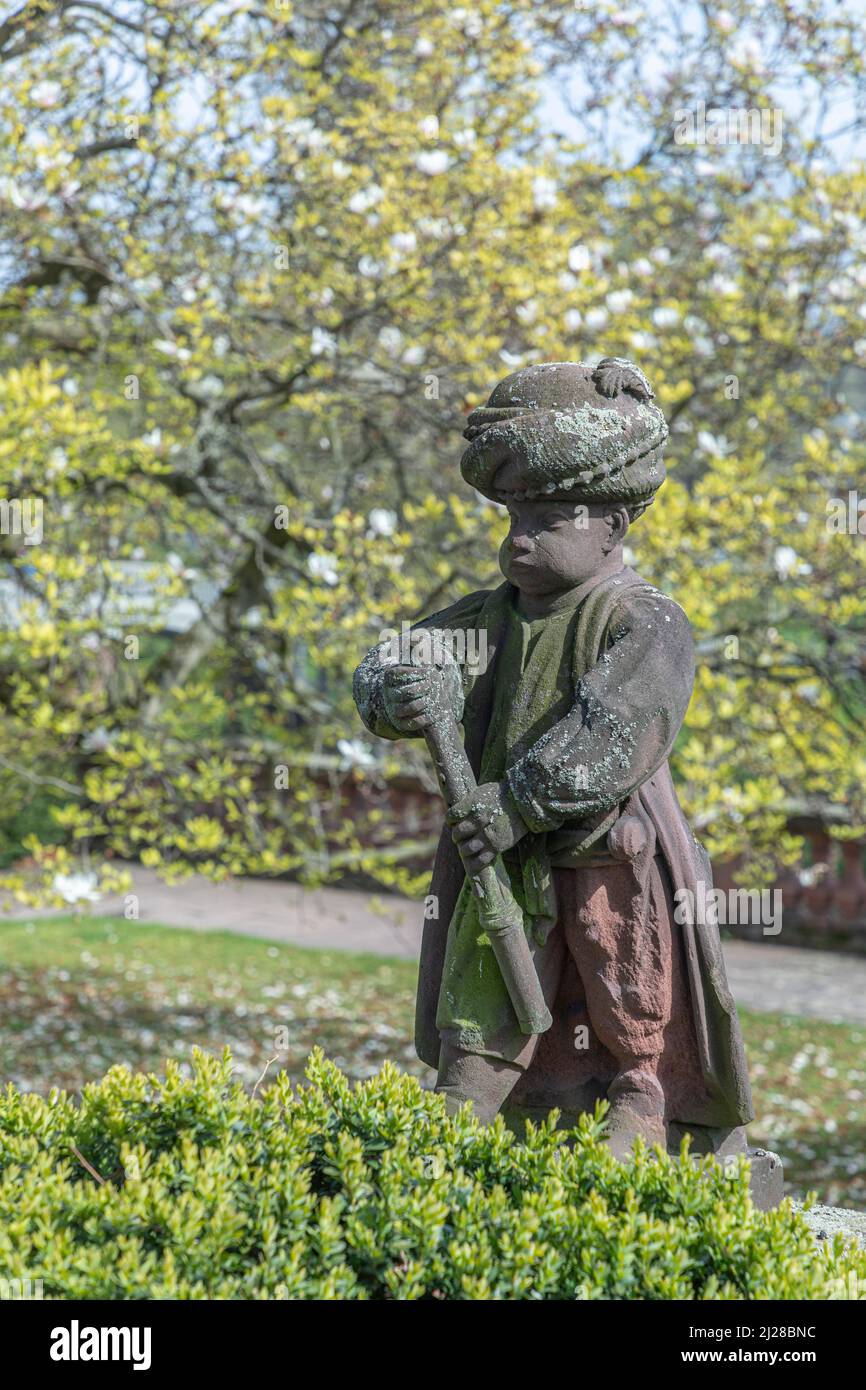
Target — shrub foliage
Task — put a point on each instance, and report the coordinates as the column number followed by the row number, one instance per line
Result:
column 189, row 1187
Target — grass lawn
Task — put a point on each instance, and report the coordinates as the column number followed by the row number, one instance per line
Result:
column 79, row 994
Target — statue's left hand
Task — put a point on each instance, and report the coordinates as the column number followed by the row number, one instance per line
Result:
column 484, row 823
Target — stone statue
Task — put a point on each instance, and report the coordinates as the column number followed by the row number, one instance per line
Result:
column 568, row 960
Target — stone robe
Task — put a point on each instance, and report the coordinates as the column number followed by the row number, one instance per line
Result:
column 585, row 741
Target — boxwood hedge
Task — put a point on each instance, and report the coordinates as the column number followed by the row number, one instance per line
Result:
column 190, row 1187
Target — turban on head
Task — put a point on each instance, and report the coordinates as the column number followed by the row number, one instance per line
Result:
column 589, row 434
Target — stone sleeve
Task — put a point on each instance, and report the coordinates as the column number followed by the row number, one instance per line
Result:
column 367, row 680
column 628, row 710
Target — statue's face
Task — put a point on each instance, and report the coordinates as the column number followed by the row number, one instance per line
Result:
column 552, row 546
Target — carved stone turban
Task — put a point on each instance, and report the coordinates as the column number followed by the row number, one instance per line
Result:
column 569, row 430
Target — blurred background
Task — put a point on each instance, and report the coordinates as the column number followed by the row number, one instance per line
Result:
column 257, row 262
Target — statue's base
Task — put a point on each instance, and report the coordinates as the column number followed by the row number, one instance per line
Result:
column 766, row 1176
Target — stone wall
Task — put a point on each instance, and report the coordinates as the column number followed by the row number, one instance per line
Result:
column 823, row 897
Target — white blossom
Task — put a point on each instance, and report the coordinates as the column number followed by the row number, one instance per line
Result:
column 366, row 198
column 354, row 752
column 46, row 94
column 26, row 201
column 76, row 887
column 472, row 24
column 747, row 52
column 785, row 560
column 544, row 192
column 382, row 522
column 724, row 284
column 390, row 338
column 322, row 343
column 709, row 443
column 619, row 300
column 404, row 243
column 323, row 566
column 211, row 385
column 306, row 133
column 432, row 161
column 437, row 227
column 249, row 206
column 514, row 360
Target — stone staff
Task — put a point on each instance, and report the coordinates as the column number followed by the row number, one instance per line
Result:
column 500, row 915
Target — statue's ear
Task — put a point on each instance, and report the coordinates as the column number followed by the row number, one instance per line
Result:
column 618, row 523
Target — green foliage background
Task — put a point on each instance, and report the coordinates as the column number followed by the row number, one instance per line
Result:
column 257, row 260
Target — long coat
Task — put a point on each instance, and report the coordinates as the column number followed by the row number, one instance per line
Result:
column 726, row 1097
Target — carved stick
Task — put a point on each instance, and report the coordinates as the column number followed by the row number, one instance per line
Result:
column 500, row 915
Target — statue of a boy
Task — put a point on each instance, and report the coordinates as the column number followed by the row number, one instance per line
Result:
column 568, row 728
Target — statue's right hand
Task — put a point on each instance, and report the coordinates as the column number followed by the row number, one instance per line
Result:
column 413, row 696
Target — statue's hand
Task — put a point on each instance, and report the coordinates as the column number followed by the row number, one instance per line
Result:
column 484, row 823
column 415, row 696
